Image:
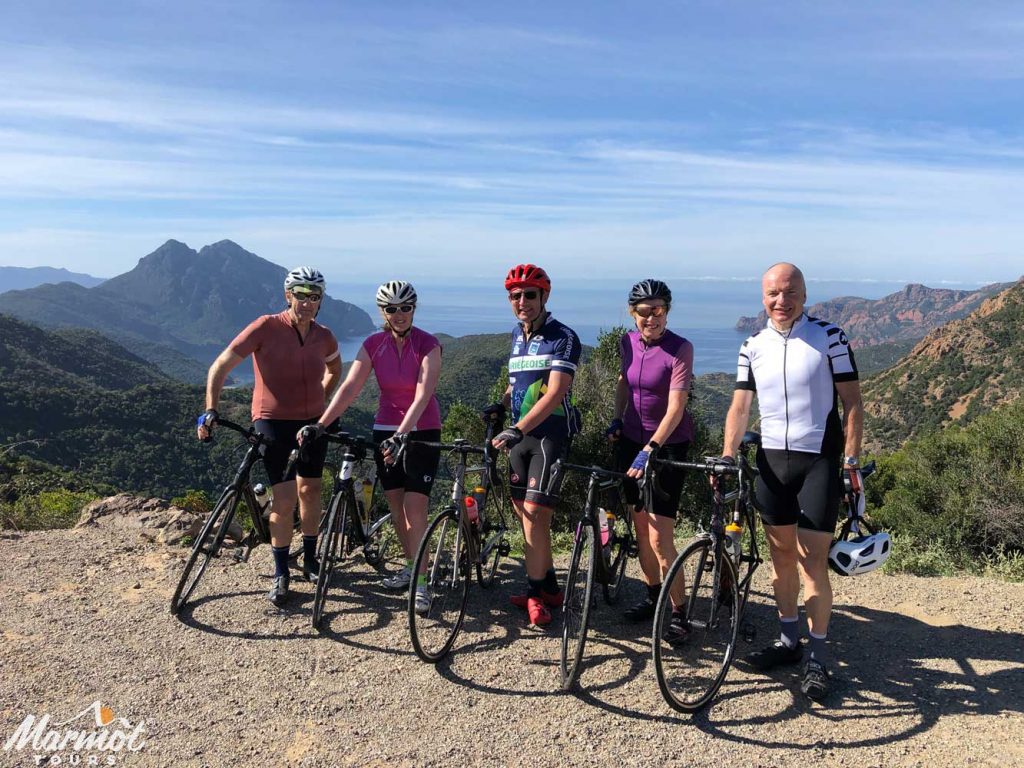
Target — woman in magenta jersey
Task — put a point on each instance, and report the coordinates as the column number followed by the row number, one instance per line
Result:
column 407, row 363
column 650, row 412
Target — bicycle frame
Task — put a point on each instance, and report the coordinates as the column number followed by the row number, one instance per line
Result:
column 600, row 481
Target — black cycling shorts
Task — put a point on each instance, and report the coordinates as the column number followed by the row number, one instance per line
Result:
column 796, row 488
column 414, row 473
column 282, row 432
column 529, row 470
column 670, row 479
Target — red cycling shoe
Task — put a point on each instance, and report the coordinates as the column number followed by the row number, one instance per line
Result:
column 540, row 616
column 551, row 599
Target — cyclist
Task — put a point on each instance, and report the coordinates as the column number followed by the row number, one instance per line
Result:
column 650, row 412
column 297, row 365
column 797, row 365
column 544, row 358
column 407, row 363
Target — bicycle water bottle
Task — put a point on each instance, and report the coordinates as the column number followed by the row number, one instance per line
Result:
column 733, row 540
column 606, row 521
column 480, row 496
column 262, row 494
column 472, row 510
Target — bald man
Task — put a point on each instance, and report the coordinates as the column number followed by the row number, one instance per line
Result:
column 799, row 367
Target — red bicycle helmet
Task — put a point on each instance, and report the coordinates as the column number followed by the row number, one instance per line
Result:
column 527, row 276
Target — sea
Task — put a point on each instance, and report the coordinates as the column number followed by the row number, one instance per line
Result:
column 704, row 310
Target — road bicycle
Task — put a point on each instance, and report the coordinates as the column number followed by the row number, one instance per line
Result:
column 454, row 545
column 603, row 541
column 700, row 610
column 703, row 596
column 210, row 540
column 352, row 520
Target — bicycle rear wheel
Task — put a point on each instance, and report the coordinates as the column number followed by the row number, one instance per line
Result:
column 329, row 552
column 444, row 556
column 579, row 586
column 207, row 545
column 620, row 548
column 691, row 664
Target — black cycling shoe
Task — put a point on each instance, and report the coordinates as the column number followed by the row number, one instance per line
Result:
column 279, row 592
column 642, row 611
column 677, row 633
column 815, row 682
column 775, row 655
column 310, row 570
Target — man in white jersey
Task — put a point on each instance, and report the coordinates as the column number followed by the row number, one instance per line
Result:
column 799, row 367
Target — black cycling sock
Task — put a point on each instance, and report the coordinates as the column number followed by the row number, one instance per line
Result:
column 309, row 548
column 790, row 634
column 653, row 592
column 280, row 561
column 534, row 587
column 818, row 646
column 550, row 582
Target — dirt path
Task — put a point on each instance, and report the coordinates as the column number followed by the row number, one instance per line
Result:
column 931, row 673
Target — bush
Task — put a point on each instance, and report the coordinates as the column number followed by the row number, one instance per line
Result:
column 46, row 510
column 194, row 501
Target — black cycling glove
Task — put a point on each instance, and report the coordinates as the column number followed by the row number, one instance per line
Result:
column 509, row 437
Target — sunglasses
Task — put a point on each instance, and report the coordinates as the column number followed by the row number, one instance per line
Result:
column 312, row 296
column 528, row 295
column 645, row 311
column 403, row 308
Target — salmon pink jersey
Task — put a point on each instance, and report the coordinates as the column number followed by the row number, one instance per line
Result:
column 289, row 369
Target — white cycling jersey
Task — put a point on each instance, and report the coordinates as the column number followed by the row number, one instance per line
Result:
column 794, row 374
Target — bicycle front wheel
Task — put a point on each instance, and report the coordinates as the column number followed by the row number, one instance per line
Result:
column 329, row 553
column 695, row 625
column 444, row 560
column 579, row 586
column 207, row 545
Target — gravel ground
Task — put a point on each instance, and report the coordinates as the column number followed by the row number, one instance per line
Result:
column 930, row 672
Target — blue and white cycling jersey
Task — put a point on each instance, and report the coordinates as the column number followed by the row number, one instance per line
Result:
column 553, row 347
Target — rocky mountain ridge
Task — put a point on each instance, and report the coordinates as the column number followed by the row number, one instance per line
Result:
column 956, row 372
column 905, row 315
column 194, row 302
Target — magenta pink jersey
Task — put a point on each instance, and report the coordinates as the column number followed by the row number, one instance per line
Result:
column 397, row 375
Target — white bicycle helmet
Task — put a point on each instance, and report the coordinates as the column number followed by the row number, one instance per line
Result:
column 862, row 554
column 396, row 292
column 305, row 276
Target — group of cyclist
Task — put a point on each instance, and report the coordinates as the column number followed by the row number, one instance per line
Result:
column 798, row 366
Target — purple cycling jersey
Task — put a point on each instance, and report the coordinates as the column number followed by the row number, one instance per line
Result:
column 651, row 373
column 397, row 375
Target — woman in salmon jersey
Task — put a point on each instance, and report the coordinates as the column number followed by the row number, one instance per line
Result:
column 407, row 364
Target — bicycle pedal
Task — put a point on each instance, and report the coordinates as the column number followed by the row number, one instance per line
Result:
column 504, row 548
column 634, row 549
column 242, row 552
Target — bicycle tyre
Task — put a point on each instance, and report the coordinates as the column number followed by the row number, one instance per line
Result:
column 443, row 554
column 206, row 546
column 579, row 587
column 329, row 552
column 690, row 672
column 618, row 557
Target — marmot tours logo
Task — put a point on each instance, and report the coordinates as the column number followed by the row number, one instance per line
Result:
column 94, row 736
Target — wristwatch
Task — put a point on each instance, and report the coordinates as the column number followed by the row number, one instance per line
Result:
column 851, row 461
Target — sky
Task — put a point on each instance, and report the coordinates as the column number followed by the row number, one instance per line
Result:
column 868, row 140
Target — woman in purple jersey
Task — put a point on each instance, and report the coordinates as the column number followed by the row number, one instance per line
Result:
column 407, row 364
column 650, row 412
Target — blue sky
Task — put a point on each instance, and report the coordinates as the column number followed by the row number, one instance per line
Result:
column 871, row 140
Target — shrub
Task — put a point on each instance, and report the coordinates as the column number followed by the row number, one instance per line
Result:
column 46, row 510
